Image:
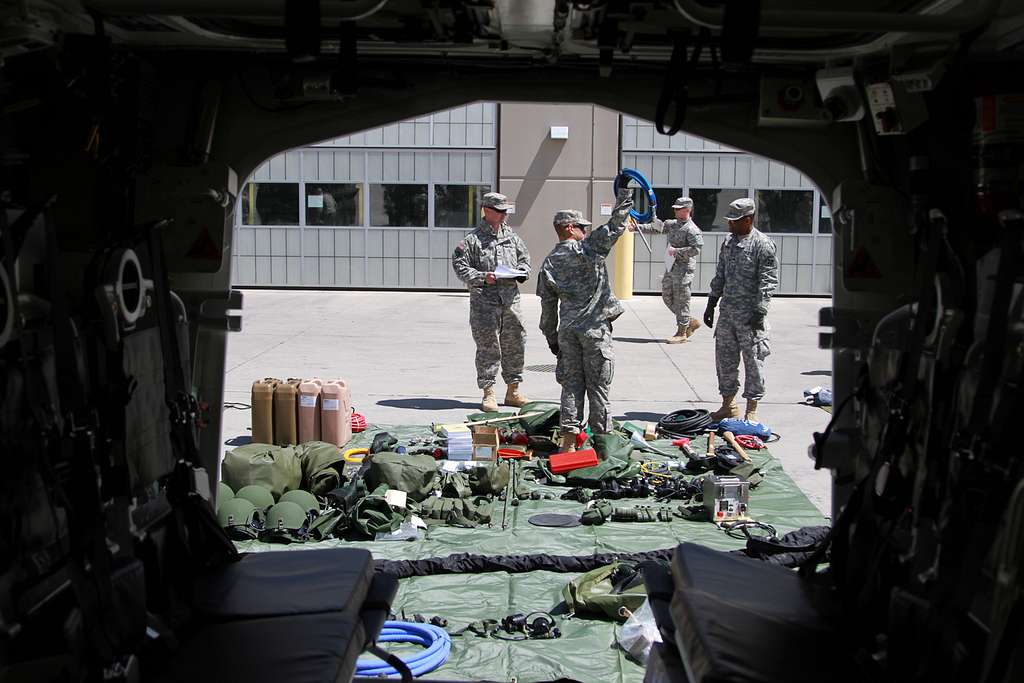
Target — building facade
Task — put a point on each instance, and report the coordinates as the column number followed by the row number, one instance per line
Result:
column 386, row 207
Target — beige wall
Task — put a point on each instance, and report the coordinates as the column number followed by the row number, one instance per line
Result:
column 541, row 175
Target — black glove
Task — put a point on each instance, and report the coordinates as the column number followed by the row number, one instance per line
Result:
column 554, row 347
column 756, row 322
column 709, row 312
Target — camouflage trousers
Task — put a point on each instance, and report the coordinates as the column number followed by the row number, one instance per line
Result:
column 675, row 292
column 500, row 341
column 735, row 339
column 586, row 366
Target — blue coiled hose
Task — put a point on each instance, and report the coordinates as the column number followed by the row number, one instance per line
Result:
column 622, row 180
column 436, row 640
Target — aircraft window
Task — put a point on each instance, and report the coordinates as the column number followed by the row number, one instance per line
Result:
column 458, row 206
column 398, row 206
column 784, row 210
column 334, row 204
column 825, row 217
column 270, row 204
column 710, row 205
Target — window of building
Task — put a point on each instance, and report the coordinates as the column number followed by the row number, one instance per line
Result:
column 710, row 205
column 666, row 196
column 824, row 217
column 334, row 204
column 458, row 206
column 270, row 204
column 784, row 210
column 398, row 206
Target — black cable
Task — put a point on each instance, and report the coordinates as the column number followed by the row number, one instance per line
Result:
column 685, row 423
column 237, row 406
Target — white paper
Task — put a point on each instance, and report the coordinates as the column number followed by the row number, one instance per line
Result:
column 315, row 201
column 606, row 209
column 396, row 498
column 307, row 401
column 332, row 404
column 506, row 272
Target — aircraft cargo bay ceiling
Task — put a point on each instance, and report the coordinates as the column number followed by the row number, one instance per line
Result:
column 545, row 30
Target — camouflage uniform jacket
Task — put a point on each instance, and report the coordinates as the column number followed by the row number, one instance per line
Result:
column 480, row 253
column 746, row 276
column 685, row 237
column 574, row 273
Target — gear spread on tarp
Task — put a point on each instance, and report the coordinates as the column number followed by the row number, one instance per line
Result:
column 504, row 584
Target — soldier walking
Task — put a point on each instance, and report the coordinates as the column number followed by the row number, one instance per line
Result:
column 745, row 279
column 577, row 310
column 495, row 316
column 685, row 242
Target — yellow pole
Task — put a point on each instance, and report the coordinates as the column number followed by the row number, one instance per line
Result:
column 623, row 252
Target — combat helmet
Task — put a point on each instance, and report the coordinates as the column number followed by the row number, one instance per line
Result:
column 304, row 499
column 260, row 497
column 240, row 518
column 224, row 494
column 286, row 523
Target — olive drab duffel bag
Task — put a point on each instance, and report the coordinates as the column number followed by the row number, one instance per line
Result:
column 374, row 515
column 605, row 591
column 414, row 474
column 275, row 468
column 322, row 465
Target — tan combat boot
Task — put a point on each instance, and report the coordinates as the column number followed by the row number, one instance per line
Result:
column 490, row 402
column 728, row 409
column 691, row 328
column 514, row 398
column 568, row 443
column 679, row 337
column 751, row 414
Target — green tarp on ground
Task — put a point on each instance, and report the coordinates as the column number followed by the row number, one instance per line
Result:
column 586, row 651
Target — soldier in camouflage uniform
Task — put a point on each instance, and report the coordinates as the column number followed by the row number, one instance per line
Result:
column 685, row 243
column 495, row 317
column 577, row 310
column 745, row 279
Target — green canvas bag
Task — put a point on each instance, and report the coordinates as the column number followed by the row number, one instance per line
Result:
column 414, row 474
column 606, row 590
column 276, row 468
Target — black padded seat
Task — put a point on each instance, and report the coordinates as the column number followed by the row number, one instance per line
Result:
column 281, row 583
column 301, row 616
column 304, row 648
column 663, row 665
column 741, row 620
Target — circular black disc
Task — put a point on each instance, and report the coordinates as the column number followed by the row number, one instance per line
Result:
column 554, row 519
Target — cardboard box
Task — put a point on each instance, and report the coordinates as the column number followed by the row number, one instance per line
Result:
column 485, row 443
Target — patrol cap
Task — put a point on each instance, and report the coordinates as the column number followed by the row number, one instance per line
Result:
column 570, row 217
column 740, row 208
column 285, row 516
column 682, row 203
column 496, row 201
column 236, row 512
column 257, row 495
column 304, row 499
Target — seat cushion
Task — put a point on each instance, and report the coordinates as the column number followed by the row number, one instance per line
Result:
column 738, row 619
column 270, row 584
column 304, row 648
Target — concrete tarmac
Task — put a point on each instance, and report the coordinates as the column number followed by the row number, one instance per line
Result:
column 408, row 357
